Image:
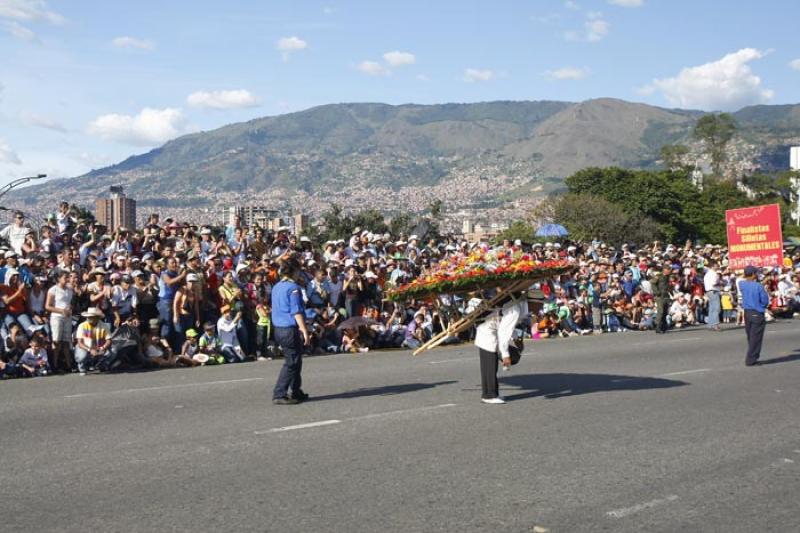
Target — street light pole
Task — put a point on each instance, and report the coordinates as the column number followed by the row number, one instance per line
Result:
column 17, row 182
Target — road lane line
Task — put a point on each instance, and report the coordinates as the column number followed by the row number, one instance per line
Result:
column 627, row 511
column 684, row 372
column 403, row 411
column 164, row 387
column 332, row 422
column 448, row 361
column 301, row 426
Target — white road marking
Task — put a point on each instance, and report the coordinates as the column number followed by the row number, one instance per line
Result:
column 301, row 426
column 165, row 387
column 403, row 411
column 683, row 372
column 791, row 461
column 660, row 341
column 448, row 360
column 354, row 418
column 627, row 511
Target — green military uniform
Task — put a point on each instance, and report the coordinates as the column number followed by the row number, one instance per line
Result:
column 662, row 295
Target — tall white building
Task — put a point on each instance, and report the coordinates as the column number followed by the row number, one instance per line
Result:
column 794, row 158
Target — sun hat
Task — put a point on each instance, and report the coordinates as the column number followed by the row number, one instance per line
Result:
column 224, row 309
column 191, row 333
column 200, row 358
column 93, row 311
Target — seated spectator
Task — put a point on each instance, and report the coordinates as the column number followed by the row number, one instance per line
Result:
column 92, row 340
column 227, row 326
column 191, row 349
column 415, row 333
column 34, row 360
column 679, row 312
column 125, row 347
column 156, row 348
column 15, row 344
column 211, row 345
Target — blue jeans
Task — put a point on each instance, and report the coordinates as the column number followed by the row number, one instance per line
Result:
column 290, row 340
column 713, row 309
column 165, row 318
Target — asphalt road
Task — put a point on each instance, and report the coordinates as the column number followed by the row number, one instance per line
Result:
column 625, row 432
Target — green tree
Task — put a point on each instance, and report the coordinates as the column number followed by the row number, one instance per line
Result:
column 435, row 208
column 715, row 130
column 589, row 216
column 673, row 154
column 81, row 213
column 519, row 229
column 658, row 195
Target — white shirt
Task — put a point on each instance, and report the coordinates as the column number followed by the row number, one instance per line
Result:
column 496, row 332
column 15, row 235
column 711, row 280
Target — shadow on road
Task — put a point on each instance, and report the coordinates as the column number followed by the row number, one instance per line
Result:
column 388, row 390
column 553, row 386
column 785, row 359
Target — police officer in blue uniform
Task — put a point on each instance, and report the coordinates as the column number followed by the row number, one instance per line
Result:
column 754, row 302
column 288, row 321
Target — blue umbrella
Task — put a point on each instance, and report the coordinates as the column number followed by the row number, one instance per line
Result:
column 552, row 230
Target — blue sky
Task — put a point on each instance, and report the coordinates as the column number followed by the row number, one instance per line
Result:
column 87, row 83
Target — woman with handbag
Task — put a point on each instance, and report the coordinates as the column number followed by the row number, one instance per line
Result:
column 494, row 340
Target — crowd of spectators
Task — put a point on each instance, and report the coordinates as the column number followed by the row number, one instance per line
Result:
column 76, row 298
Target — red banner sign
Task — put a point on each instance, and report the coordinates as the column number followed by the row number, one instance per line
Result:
column 754, row 236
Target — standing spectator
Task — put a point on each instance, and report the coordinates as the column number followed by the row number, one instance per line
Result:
column 711, row 284
column 15, row 232
column 168, row 284
column 59, row 304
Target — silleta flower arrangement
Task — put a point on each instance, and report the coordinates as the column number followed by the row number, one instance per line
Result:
column 480, row 270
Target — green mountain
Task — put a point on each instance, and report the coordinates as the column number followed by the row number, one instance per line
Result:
column 341, row 150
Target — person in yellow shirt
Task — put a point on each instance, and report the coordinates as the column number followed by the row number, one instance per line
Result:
column 726, row 301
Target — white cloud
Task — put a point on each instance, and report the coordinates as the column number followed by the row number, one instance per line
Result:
column 17, row 30
column 795, row 64
column 39, row 121
column 473, row 74
column 133, row 42
column 567, row 73
column 223, row 99
column 423, row 77
column 399, row 59
column 373, row 68
column 627, row 3
column 726, row 84
column 569, row 4
column 29, row 11
column 150, row 127
column 596, row 29
column 7, row 155
column 287, row 45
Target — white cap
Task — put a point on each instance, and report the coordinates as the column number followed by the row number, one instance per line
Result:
column 304, row 239
column 518, row 242
column 413, row 238
column 370, row 275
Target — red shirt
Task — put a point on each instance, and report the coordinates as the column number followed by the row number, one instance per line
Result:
column 17, row 305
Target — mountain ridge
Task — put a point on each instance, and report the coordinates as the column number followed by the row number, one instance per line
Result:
column 337, row 151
